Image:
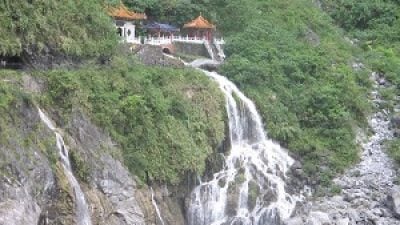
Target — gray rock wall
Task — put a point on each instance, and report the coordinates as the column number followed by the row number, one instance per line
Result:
column 191, row 49
column 34, row 190
column 153, row 55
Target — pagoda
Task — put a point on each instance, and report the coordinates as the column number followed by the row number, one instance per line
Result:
column 126, row 21
column 200, row 28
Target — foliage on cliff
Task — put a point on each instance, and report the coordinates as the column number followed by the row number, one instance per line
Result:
column 295, row 63
column 287, row 55
column 375, row 27
column 74, row 28
column 176, row 12
column 167, row 121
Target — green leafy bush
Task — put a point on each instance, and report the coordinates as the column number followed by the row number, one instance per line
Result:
column 167, row 121
column 74, row 28
column 394, row 149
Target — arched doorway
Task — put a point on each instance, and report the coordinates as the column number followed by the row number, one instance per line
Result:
column 166, row 50
column 119, row 31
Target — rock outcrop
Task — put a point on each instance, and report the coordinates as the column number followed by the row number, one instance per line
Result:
column 34, row 190
column 393, row 201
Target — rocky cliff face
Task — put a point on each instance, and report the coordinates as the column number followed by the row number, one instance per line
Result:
column 34, row 190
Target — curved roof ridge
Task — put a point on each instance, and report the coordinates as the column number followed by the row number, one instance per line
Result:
column 123, row 13
column 199, row 22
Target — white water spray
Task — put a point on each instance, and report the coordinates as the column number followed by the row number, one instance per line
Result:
column 250, row 189
column 82, row 210
column 153, row 201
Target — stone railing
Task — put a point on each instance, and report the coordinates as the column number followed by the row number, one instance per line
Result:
column 170, row 39
column 158, row 40
column 133, row 40
column 195, row 40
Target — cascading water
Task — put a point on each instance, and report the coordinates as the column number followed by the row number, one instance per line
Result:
column 153, row 201
column 82, row 210
column 250, row 189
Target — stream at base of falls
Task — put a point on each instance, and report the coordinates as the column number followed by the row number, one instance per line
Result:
column 81, row 210
column 250, row 188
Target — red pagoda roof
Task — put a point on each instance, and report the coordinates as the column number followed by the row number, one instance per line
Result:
column 199, row 23
column 123, row 13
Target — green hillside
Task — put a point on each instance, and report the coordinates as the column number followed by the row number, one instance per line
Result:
column 72, row 28
column 292, row 57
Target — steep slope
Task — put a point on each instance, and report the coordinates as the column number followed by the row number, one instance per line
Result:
column 32, row 174
column 297, row 67
column 128, row 126
column 31, row 167
column 374, row 26
column 366, row 192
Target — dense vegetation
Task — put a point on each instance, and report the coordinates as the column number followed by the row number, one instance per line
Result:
column 375, row 25
column 295, row 63
column 167, row 121
column 287, row 55
column 176, row 12
column 74, row 28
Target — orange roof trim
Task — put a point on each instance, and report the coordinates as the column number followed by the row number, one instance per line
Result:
column 122, row 12
column 199, row 23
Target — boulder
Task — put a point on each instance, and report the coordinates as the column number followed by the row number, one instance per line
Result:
column 381, row 81
column 343, row 221
column 318, row 218
column 393, row 201
column 395, row 121
column 294, row 221
column 297, row 165
column 312, row 37
column 396, row 133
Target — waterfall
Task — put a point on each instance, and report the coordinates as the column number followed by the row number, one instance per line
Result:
column 220, row 51
column 82, row 210
column 209, row 49
column 250, row 189
column 153, row 201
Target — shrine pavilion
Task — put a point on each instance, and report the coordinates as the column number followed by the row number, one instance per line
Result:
column 200, row 28
column 126, row 22
column 161, row 29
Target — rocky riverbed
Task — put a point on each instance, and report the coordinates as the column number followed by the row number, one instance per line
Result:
column 368, row 195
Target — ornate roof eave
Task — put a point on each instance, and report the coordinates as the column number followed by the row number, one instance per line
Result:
column 199, row 23
column 123, row 13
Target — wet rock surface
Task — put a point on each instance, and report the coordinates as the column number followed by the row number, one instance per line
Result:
column 106, row 174
column 34, row 190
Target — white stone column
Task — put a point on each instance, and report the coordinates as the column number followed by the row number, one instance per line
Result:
column 130, row 28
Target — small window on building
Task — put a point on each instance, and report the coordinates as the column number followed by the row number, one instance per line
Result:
column 167, row 51
column 129, row 32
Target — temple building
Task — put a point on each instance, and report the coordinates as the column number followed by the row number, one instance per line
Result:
column 161, row 30
column 200, row 28
column 126, row 22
